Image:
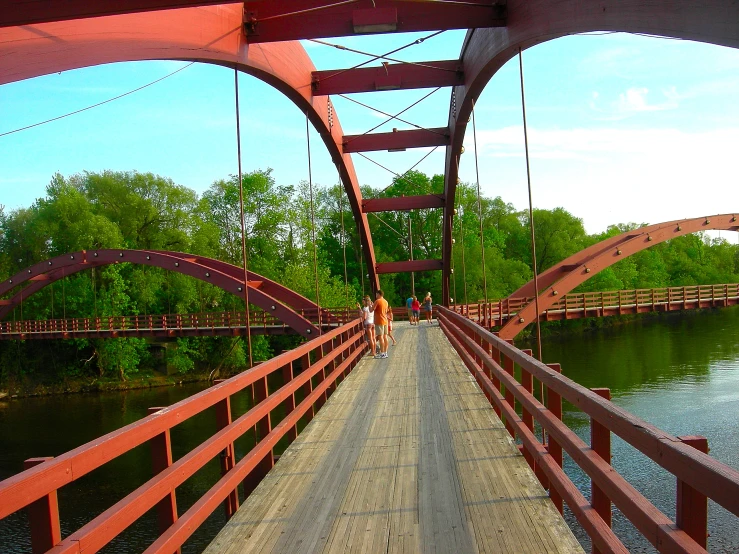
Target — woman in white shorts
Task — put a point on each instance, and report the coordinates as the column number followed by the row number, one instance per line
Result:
column 368, row 320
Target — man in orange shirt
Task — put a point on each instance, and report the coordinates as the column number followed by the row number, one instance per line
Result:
column 380, row 308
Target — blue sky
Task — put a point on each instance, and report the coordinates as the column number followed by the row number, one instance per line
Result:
column 621, row 127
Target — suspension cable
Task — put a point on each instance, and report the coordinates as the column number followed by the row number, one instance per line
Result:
column 479, row 206
column 464, row 267
column 313, row 221
column 390, row 116
column 393, row 229
column 373, row 57
column 407, row 171
column 343, row 241
column 380, row 57
column 307, row 10
column 75, row 112
column 241, row 217
column 531, row 205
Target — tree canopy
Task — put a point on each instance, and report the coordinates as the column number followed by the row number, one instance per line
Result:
column 146, row 211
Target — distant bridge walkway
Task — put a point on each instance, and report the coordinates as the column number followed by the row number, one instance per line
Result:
column 610, row 303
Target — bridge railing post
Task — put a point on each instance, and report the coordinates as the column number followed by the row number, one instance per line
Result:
column 554, row 405
column 308, row 387
column 527, row 383
column 509, row 398
column 600, row 442
column 289, row 403
column 263, row 428
column 228, row 455
column 43, row 516
column 161, row 459
column 692, row 506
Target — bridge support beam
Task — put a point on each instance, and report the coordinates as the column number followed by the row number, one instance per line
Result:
column 395, row 76
column 408, row 266
column 396, row 140
column 403, row 203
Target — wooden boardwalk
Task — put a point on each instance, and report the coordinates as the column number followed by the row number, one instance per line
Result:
column 406, row 456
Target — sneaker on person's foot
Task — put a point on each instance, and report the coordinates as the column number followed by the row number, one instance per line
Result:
column 384, row 355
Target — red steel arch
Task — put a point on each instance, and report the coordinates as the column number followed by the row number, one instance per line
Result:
column 215, row 35
column 577, row 269
column 532, row 22
column 211, row 34
column 264, row 293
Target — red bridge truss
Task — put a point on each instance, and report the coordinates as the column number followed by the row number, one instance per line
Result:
column 563, row 277
column 279, row 301
column 258, row 38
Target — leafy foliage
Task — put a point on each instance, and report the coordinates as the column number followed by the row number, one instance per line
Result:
column 146, row 211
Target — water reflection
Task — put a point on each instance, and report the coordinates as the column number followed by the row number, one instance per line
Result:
column 680, row 373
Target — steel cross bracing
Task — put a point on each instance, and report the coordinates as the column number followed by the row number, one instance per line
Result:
column 258, row 38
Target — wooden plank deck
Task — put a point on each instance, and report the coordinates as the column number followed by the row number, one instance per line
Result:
column 406, row 456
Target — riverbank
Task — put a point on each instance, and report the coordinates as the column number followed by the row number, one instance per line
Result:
column 85, row 385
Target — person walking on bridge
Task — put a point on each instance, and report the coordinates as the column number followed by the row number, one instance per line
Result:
column 427, row 306
column 380, row 309
column 409, row 305
column 368, row 320
column 416, row 308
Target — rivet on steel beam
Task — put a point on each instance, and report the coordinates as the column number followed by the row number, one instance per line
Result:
column 733, row 219
column 95, row 254
column 148, row 257
column 587, row 270
column 120, row 255
column 273, row 307
column 679, row 228
column 240, row 289
column 649, row 238
column 71, row 257
column 367, row 276
column 11, row 281
column 49, row 263
column 708, row 221
column 308, row 331
column 454, row 241
column 461, row 151
column 455, row 211
column 177, row 264
column 555, row 292
column 207, row 274
column 451, row 270
column 618, row 252
column 521, row 320
column 29, row 271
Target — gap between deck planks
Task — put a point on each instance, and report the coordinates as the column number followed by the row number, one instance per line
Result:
column 406, row 456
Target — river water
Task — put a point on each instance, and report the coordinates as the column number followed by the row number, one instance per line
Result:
column 680, row 373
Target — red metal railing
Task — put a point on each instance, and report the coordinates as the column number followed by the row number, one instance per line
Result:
column 491, row 361
column 322, row 362
column 598, row 304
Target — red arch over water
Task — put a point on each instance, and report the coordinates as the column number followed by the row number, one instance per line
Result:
column 532, row 22
column 214, row 34
column 578, row 268
column 203, row 34
column 264, row 293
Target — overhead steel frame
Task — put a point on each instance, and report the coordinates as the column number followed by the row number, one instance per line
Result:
column 272, row 297
column 207, row 34
column 562, row 278
column 532, row 22
column 176, row 35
